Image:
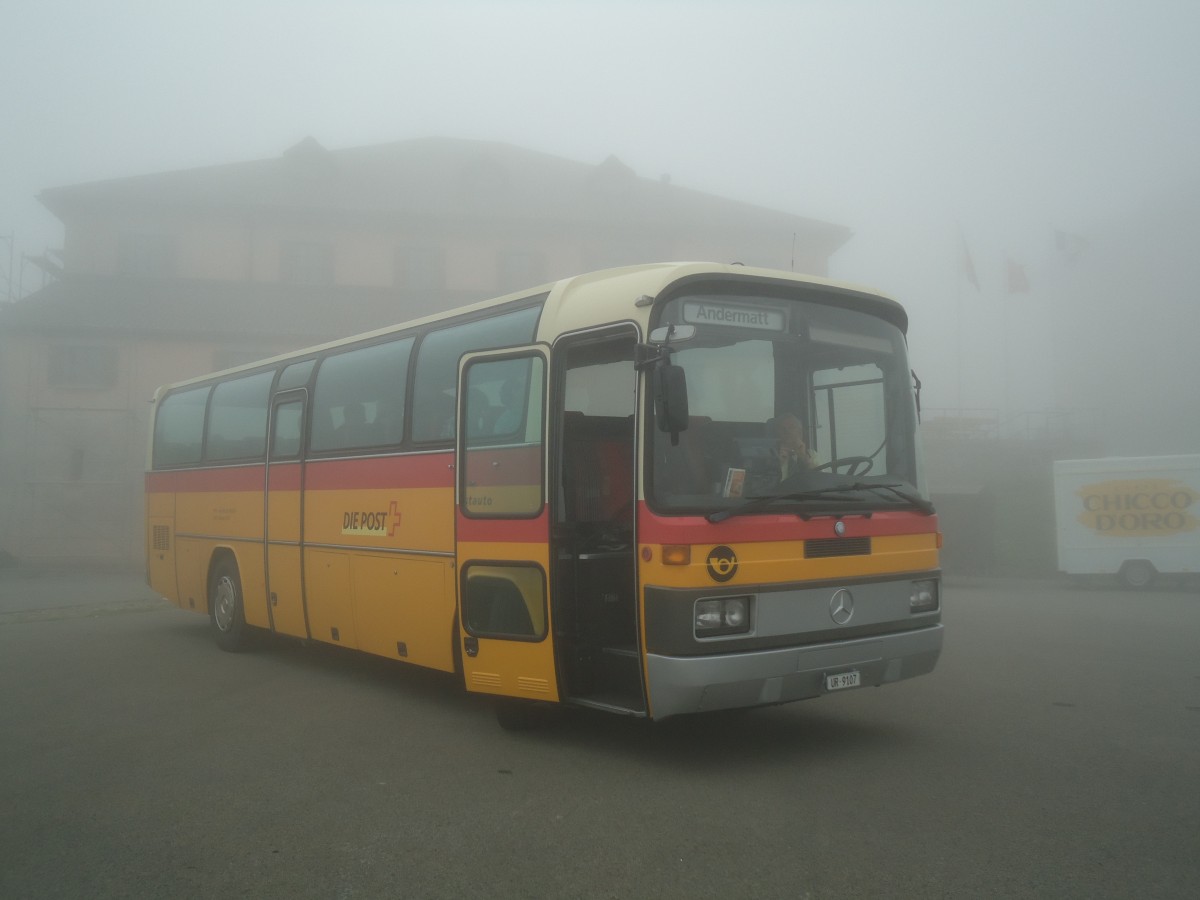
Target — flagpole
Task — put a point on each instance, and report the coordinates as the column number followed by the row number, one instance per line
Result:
column 966, row 270
column 958, row 312
column 1004, row 362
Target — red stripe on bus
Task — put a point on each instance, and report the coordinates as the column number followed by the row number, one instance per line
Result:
column 285, row 477
column 232, row 478
column 504, row 466
column 514, row 531
column 426, row 470
column 654, row 529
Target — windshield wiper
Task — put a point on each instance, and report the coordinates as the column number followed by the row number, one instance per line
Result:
column 922, row 505
column 754, row 503
column 759, row 502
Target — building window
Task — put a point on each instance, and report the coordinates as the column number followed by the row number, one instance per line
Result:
column 82, row 366
column 421, row 268
column 145, row 255
column 520, row 269
column 306, row 262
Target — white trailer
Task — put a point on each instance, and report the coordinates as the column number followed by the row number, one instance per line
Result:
column 1133, row 517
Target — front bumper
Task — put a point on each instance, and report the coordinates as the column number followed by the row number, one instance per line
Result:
column 704, row 683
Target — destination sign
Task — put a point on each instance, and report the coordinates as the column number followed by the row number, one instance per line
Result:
column 703, row 312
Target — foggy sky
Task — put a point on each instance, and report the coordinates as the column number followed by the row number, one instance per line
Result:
column 906, row 121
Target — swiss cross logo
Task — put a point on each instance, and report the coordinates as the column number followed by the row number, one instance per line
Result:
column 393, row 517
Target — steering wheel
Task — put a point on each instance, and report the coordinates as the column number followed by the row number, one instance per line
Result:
column 852, row 462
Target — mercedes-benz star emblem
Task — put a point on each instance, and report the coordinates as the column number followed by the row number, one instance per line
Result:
column 841, row 606
column 839, row 527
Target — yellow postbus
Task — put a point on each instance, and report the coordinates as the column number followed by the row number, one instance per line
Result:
column 577, row 494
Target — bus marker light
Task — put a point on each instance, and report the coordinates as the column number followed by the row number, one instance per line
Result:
column 676, row 554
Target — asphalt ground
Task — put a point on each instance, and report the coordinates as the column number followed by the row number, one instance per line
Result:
column 1055, row 752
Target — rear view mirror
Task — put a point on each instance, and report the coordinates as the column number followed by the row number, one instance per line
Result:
column 672, row 333
column 670, row 398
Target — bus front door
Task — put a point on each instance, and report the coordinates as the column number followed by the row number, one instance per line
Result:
column 503, row 525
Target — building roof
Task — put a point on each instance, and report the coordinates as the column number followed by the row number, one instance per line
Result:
column 214, row 310
column 437, row 177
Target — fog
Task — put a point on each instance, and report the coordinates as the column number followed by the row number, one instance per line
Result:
column 933, row 130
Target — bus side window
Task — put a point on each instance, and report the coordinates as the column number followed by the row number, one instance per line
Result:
column 481, row 413
column 237, row 420
column 358, row 400
column 289, row 422
column 179, row 428
column 436, row 375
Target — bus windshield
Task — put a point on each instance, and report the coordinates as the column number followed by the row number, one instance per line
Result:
column 793, row 405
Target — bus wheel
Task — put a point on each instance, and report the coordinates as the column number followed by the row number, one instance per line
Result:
column 225, row 612
column 1137, row 573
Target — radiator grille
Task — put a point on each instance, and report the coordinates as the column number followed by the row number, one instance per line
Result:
column 162, row 537
column 825, row 547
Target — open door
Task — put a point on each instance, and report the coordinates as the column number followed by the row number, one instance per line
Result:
column 503, row 525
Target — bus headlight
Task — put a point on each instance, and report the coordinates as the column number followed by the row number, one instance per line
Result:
column 924, row 597
column 723, row 615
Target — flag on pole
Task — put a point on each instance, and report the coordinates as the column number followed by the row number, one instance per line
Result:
column 1018, row 280
column 1070, row 246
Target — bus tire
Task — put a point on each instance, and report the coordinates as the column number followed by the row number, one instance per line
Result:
column 225, row 612
column 1137, row 573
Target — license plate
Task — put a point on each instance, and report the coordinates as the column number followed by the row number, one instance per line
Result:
column 841, row 681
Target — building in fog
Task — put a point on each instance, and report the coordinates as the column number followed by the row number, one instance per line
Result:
column 1100, row 344
column 1126, row 319
column 167, row 276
